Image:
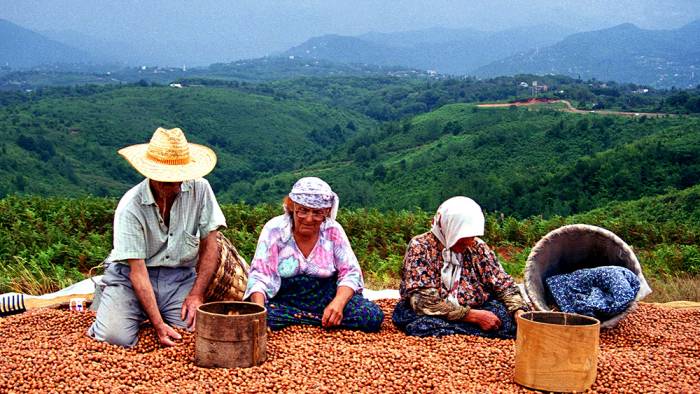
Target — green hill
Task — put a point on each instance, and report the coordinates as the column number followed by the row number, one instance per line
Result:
column 66, row 144
column 518, row 161
column 62, row 141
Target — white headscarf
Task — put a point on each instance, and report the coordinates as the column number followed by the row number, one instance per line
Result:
column 456, row 218
column 313, row 192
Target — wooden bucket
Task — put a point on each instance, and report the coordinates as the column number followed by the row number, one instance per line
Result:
column 556, row 351
column 230, row 334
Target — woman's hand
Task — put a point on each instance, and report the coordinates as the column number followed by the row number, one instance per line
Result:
column 484, row 319
column 333, row 314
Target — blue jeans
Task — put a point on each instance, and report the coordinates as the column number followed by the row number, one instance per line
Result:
column 120, row 314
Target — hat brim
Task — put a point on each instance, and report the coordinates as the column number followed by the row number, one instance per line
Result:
column 202, row 161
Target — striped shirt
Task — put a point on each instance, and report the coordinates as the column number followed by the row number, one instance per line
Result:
column 141, row 233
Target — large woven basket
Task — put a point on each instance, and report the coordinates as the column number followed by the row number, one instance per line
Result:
column 574, row 247
column 231, row 276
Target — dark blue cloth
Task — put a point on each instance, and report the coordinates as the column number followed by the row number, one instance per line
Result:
column 408, row 321
column 600, row 292
column 302, row 300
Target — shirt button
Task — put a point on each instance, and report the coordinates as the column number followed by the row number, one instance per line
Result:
column 167, row 257
column 171, row 234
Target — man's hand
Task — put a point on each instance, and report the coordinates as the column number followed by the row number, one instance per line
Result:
column 484, row 319
column 189, row 310
column 165, row 333
column 333, row 314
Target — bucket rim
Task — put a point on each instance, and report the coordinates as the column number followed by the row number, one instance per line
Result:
column 262, row 310
column 593, row 322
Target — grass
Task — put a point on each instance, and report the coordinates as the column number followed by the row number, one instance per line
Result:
column 29, row 277
column 49, row 243
column 674, row 288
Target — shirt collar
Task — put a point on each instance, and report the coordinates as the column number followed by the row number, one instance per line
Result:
column 147, row 195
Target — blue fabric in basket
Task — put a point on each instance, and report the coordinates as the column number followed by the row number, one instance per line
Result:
column 600, row 292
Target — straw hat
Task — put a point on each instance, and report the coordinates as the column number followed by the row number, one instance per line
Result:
column 169, row 157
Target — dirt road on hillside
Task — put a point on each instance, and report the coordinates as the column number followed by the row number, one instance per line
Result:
column 570, row 108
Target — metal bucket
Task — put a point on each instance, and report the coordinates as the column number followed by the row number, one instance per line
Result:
column 556, row 351
column 230, row 334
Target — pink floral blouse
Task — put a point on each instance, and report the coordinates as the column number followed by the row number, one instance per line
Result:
column 277, row 256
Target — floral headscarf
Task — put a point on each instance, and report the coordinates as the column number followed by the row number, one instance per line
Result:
column 313, row 192
column 456, row 218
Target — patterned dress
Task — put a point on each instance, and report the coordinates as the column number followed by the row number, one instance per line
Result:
column 297, row 288
column 424, row 309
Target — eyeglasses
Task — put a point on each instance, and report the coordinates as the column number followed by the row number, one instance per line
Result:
column 316, row 214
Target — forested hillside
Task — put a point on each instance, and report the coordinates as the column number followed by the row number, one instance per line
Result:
column 392, row 146
column 385, row 142
column 518, row 161
column 65, row 144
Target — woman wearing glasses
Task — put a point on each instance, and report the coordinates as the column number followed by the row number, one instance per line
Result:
column 304, row 270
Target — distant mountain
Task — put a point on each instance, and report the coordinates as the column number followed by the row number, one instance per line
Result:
column 626, row 53
column 22, row 48
column 451, row 51
column 113, row 52
column 434, row 35
column 276, row 68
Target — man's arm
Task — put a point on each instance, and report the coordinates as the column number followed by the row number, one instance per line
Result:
column 208, row 257
column 144, row 292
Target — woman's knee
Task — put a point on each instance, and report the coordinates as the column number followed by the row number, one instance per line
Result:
column 374, row 316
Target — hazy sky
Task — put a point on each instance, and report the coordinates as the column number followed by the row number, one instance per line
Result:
column 219, row 30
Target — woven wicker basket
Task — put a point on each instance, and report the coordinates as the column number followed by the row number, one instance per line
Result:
column 231, row 276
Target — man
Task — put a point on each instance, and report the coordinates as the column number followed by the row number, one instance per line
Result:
column 164, row 228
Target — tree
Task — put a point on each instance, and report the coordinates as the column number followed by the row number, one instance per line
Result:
column 362, row 155
column 453, row 127
column 20, row 182
column 380, row 172
column 693, row 104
